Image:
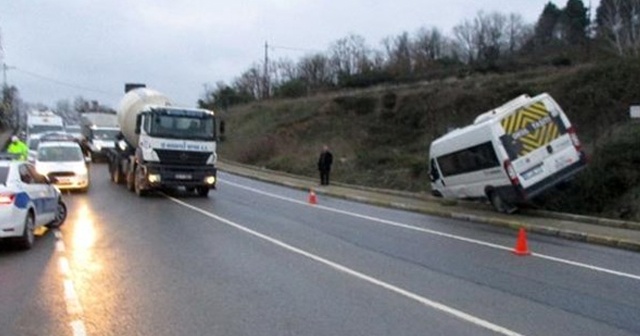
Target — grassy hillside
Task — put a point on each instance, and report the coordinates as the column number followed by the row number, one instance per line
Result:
column 380, row 137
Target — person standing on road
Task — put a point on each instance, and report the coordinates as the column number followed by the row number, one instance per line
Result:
column 18, row 148
column 324, row 165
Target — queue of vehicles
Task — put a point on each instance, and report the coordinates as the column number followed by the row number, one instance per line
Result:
column 507, row 156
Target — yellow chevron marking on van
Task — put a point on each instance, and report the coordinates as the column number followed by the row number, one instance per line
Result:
column 533, row 140
column 539, row 138
column 523, row 117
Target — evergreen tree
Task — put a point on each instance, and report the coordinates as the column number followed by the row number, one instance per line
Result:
column 546, row 29
column 575, row 21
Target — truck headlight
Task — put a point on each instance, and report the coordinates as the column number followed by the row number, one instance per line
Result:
column 210, row 180
column 154, row 178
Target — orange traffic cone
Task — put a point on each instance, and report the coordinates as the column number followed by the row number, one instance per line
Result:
column 521, row 248
column 312, row 197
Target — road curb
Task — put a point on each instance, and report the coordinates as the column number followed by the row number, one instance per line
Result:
column 460, row 215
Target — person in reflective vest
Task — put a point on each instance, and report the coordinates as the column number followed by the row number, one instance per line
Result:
column 18, row 148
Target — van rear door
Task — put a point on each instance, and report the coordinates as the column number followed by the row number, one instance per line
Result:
column 537, row 140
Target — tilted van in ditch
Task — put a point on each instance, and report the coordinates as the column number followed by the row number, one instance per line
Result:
column 508, row 155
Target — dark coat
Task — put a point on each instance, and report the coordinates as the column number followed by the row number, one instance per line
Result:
column 325, row 161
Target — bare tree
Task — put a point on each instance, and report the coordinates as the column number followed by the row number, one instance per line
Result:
column 349, row 55
column 398, row 53
column 428, row 46
column 465, row 34
column 315, row 71
column 490, row 36
column 251, row 82
column 619, row 25
column 518, row 33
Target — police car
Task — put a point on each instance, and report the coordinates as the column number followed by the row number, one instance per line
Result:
column 28, row 200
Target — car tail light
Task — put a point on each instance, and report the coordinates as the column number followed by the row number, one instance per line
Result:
column 7, row 199
column 511, row 172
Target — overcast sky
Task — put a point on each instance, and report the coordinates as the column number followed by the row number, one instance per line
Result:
column 61, row 49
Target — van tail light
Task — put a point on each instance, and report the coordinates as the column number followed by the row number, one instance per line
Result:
column 576, row 143
column 511, row 172
column 6, row 199
column 574, row 138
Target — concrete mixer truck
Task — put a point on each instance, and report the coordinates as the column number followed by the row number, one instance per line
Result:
column 163, row 146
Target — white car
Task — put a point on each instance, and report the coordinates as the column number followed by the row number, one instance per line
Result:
column 63, row 162
column 27, row 200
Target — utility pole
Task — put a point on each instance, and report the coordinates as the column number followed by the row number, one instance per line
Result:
column 265, row 78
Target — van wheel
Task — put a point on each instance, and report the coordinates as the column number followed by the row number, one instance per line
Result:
column 500, row 204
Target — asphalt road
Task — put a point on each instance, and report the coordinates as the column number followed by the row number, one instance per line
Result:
column 256, row 259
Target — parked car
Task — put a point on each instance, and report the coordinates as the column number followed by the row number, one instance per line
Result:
column 63, row 162
column 28, row 200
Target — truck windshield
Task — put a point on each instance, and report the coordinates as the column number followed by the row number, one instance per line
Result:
column 181, row 124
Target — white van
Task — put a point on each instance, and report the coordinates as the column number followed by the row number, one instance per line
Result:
column 508, row 155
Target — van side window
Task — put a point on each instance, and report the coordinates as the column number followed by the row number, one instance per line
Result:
column 433, row 171
column 468, row 160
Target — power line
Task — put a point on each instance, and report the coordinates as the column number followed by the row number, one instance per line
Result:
column 59, row 82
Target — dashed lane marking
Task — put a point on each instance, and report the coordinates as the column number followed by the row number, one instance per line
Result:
column 351, row 272
column 72, row 302
column 439, row 233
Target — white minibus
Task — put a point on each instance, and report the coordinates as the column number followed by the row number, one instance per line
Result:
column 508, row 155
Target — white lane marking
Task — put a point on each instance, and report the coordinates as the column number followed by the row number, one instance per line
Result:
column 78, row 328
column 63, row 266
column 427, row 302
column 439, row 233
column 60, row 246
column 74, row 308
column 71, row 298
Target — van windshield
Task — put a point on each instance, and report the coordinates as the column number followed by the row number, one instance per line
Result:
column 60, row 154
column 35, row 129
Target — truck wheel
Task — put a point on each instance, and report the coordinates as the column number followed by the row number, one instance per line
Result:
column 137, row 182
column 25, row 241
column 500, row 204
column 131, row 181
column 202, row 191
column 116, row 175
